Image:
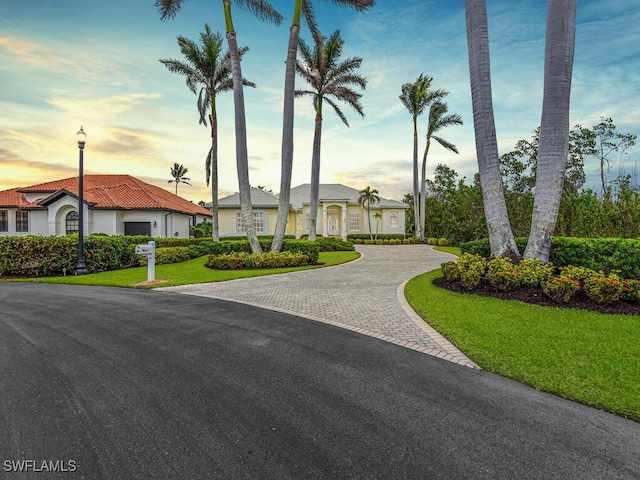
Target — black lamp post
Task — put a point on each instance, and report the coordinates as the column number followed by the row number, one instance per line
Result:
column 81, row 269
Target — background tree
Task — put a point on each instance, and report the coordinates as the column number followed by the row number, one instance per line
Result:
column 438, row 119
column 500, row 234
column 607, row 142
column 300, row 7
column 264, row 11
column 208, row 69
column 554, row 127
column 366, row 197
column 416, row 97
column 331, row 81
column 179, row 172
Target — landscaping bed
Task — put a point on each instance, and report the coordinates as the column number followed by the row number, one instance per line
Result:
column 536, row 297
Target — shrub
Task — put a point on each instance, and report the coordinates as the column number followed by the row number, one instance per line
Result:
column 406, row 241
column 631, row 290
column 385, row 242
column 352, row 237
column 442, row 242
column 368, row 242
column 378, row 242
column 358, row 241
column 243, row 260
column 533, row 272
column 168, row 255
column 560, row 289
column 578, row 273
column 507, row 280
column 603, row 290
column 450, row 271
column 472, row 268
column 432, row 241
column 333, row 244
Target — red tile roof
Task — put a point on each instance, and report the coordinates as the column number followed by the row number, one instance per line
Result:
column 105, row 192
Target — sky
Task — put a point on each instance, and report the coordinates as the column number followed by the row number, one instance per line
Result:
column 71, row 63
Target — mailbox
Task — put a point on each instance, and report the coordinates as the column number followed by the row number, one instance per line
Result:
column 150, row 251
column 144, row 249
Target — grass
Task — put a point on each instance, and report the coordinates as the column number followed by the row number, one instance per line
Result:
column 191, row 271
column 453, row 250
column 583, row 356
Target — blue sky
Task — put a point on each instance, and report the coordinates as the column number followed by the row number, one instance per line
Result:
column 66, row 63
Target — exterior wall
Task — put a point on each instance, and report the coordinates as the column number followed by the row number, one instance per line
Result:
column 37, row 223
column 103, row 221
column 227, row 218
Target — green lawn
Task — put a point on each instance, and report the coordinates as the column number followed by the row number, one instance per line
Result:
column 583, row 356
column 191, row 271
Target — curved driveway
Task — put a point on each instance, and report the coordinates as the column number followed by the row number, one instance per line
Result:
column 366, row 296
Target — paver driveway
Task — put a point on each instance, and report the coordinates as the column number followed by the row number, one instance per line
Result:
column 366, row 296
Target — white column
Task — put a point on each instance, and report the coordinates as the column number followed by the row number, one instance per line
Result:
column 344, row 223
column 324, row 221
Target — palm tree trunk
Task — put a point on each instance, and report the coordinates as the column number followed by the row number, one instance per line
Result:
column 242, row 161
column 215, row 227
column 287, row 133
column 423, row 198
column 554, row 127
column 416, row 191
column 500, row 234
column 369, row 217
column 315, row 176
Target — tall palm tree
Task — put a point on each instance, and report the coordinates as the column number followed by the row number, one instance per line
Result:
column 300, row 7
column 500, row 234
column 209, row 69
column 366, row 197
column 330, row 80
column 438, row 119
column 416, row 97
column 554, row 127
column 178, row 173
column 264, row 11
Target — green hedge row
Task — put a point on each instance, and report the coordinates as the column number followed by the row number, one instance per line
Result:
column 243, row 260
column 620, row 255
column 381, row 236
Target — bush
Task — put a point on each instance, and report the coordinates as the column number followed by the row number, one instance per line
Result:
column 382, row 236
column 450, row 271
column 443, row 242
column 578, row 273
column 432, row 241
column 406, row 241
column 631, row 291
column 243, row 260
column 603, row 290
column 502, row 274
column 533, row 272
column 168, row 255
column 368, row 242
column 333, row 244
column 472, row 268
column 560, row 289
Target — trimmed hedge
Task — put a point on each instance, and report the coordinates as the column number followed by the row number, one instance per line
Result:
column 621, row 255
column 243, row 260
column 381, row 236
column 168, row 255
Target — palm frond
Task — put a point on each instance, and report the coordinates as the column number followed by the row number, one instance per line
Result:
column 207, row 164
column 337, row 110
column 168, row 8
column 446, row 144
column 359, row 5
column 262, row 10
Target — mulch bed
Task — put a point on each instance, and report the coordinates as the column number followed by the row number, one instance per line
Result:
column 536, row 297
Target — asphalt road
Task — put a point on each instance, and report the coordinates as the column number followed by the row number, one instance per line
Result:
column 127, row 384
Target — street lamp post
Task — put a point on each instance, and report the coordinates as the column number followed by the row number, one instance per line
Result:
column 81, row 269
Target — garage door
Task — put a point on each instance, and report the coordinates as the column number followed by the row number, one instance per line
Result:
column 137, row 228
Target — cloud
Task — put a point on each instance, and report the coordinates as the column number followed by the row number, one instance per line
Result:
column 112, row 105
column 34, row 55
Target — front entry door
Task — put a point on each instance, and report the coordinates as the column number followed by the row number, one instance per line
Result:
column 333, row 222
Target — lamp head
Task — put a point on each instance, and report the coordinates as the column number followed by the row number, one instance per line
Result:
column 82, row 137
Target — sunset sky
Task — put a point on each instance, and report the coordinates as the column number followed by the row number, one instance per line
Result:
column 67, row 63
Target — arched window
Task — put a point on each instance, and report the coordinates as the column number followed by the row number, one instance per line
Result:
column 72, row 222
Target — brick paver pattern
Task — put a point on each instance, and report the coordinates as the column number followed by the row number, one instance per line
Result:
column 366, row 296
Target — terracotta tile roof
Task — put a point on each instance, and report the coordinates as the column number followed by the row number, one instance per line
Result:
column 105, row 192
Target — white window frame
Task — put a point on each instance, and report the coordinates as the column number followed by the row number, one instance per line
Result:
column 354, row 222
column 21, row 222
column 393, row 219
column 4, row 220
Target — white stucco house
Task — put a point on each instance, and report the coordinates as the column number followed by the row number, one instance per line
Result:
column 113, row 204
column 339, row 213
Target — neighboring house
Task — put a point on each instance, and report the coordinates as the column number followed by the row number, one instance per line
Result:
column 339, row 213
column 113, row 204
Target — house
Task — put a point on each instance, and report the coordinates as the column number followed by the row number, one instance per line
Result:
column 113, row 204
column 339, row 213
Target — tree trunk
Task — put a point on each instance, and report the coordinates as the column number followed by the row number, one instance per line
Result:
column 423, row 193
column 416, row 190
column 287, row 139
column 554, row 126
column 242, row 160
column 315, row 176
column 215, row 227
column 500, row 234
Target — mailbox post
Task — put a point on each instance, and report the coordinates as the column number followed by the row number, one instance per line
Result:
column 149, row 251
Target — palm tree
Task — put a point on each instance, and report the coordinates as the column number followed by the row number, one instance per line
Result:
column 264, row 11
column 416, row 97
column 500, row 234
column 300, row 7
column 178, row 173
column 378, row 217
column 368, row 196
column 438, row 119
column 554, row 127
column 208, row 68
column 330, row 80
